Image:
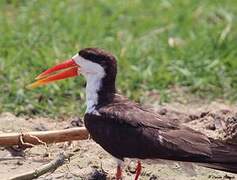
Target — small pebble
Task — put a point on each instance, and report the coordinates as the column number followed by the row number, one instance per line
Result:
column 163, row 111
column 19, row 163
column 211, row 127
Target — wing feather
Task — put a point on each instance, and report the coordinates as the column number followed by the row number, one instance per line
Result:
column 172, row 135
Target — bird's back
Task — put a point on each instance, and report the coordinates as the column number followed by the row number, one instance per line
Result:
column 125, row 129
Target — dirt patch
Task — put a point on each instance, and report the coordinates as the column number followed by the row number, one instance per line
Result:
column 92, row 162
column 216, row 120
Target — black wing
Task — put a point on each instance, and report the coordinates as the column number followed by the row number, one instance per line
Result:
column 125, row 129
column 163, row 137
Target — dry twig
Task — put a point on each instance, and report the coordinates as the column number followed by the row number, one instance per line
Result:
column 43, row 137
column 50, row 167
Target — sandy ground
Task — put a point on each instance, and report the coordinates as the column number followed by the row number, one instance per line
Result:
column 90, row 161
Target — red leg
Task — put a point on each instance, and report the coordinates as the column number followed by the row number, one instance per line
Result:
column 119, row 173
column 138, row 170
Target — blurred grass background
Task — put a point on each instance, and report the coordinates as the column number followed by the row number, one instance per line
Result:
column 159, row 45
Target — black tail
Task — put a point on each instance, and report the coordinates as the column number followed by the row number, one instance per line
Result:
column 224, row 156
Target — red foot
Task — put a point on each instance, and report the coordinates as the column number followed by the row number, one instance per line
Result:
column 119, row 173
column 138, row 170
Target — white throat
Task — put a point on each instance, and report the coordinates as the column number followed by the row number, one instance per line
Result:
column 94, row 73
column 92, row 87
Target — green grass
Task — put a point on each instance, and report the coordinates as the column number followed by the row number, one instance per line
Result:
column 34, row 35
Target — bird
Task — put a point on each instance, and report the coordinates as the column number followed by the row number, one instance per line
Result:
column 127, row 129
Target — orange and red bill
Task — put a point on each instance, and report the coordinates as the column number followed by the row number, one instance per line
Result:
column 56, row 73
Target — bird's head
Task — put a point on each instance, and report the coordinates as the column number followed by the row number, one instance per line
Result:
column 96, row 65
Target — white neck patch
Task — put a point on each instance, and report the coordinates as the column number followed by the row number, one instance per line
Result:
column 94, row 74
